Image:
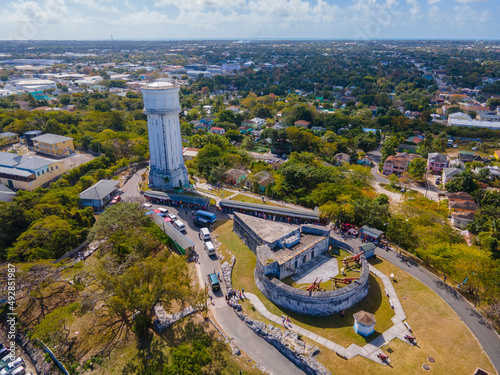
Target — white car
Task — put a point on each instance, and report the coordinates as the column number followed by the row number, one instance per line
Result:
column 172, row 216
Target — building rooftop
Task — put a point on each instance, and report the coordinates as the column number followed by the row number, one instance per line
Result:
column 269, row 231
column 99, row 190
column 178, row 237
column 273, row 210
column 7, row 134
column 178, row 197
column 52, row 138
column 364, row 318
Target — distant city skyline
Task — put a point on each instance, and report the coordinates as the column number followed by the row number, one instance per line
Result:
column 249, row 19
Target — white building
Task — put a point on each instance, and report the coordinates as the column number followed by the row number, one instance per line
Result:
column 34, row 84
column 161, row 105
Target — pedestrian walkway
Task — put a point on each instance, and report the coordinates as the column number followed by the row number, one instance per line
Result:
column 484, row 333
column 370, row 350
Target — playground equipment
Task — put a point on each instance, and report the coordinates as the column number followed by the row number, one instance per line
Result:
column 315, row 286
column 382, row 357
column 343, row 280
column 352, row 259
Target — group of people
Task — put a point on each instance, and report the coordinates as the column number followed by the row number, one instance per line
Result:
column 286, row 320
column 349, row 230
column 235, row 295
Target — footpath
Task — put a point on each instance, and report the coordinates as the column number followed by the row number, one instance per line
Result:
column 488, row 338
column 373, row 348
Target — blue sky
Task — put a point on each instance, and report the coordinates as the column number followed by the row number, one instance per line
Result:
column 185, row 19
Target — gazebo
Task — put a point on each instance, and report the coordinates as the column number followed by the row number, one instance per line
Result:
column 364, row 323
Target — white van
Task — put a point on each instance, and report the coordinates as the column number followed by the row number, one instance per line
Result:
column 18, row 371
column 163, row 211
column 209, row 248
column 205, row 234
column 179, row 225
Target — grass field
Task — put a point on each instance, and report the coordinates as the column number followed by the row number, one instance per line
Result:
column 249, row 199
column 439, row 331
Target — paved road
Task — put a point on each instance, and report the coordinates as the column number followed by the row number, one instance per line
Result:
column 131, row 187
column 485, row 335
column 250, row 343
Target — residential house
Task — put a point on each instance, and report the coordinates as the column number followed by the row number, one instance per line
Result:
column 366, row 161
column 342, row 158
column 414, row 139
column 259, row 122
column 28, row 173
column 216, row 130
column 262, row 180
column 235, row 176
column 233, row 109
column 449, row 174
column 99, row 194
column 411, row 149
column 189, row 153
column 436, row 162
column 462, row 207
column 398, row 164
column 488, row 117
column 302, row 123
column 54, row 145
column 27, row 137
column 8, row 138
column 466, row 156
column 245, row 129
column 207, row 122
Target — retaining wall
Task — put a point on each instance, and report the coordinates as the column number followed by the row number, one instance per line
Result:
column 313, row 303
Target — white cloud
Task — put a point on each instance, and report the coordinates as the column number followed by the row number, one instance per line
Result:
column 432, row 2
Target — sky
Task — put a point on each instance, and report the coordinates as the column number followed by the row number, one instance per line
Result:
column 249, row 19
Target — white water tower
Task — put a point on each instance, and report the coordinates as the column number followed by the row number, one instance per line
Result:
column 161, row 105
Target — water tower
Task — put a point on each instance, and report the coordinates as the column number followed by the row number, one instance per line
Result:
column 161, row 105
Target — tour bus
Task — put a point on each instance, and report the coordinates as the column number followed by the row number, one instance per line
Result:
column 206, row 215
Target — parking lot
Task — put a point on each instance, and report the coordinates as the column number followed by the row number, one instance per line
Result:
column 207, row 264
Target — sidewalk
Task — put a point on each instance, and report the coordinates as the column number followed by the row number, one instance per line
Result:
column 370, row 350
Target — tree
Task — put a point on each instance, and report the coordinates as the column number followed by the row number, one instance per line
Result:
column 341, row 211
column 463, row 182
column 207, row 159
column 417, row 169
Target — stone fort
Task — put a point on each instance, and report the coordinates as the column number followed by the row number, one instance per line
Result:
column 281, row 249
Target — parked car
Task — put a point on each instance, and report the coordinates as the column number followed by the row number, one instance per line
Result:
column 116, row 199
column 172, row 216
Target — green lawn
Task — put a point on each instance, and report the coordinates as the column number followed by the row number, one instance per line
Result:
column 335, row 328
column 439, row 331
column 256, row 199
column 221, row 193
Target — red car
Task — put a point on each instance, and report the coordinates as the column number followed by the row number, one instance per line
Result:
column 116, row 199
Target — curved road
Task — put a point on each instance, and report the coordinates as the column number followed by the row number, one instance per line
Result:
column 487, row 337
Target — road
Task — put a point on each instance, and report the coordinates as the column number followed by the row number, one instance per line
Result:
column 431, row 192
column 250, row 343
column 485, row 335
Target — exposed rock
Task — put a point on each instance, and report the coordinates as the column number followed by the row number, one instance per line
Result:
column 289, row 344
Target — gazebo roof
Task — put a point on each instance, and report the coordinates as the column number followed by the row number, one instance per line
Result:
column 364, row 318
